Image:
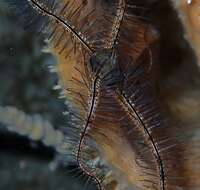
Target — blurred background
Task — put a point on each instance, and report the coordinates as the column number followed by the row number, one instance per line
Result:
column 26, row 86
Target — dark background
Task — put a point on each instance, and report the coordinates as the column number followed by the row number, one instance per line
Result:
column 25, row 83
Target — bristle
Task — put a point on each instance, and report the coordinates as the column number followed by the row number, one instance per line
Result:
column 75, row 18
column 106, row 66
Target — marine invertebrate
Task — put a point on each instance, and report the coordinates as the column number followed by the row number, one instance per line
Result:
column 34, row 127
column 111, row 87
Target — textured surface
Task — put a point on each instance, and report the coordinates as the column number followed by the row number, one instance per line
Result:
column 178, row 71
column 25, row 83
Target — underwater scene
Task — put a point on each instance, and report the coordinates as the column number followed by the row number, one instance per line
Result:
column 99, row 95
